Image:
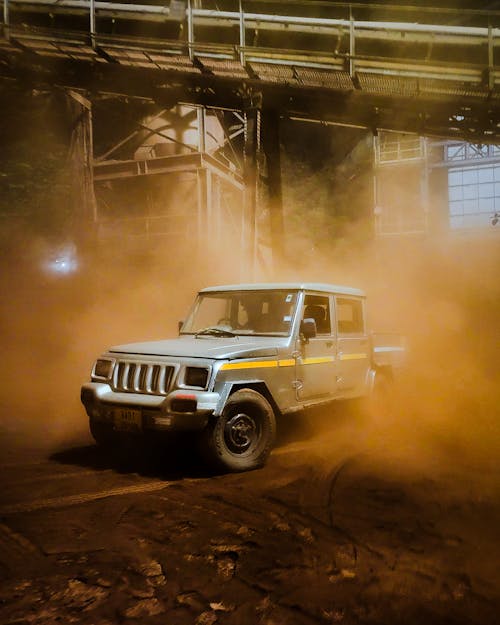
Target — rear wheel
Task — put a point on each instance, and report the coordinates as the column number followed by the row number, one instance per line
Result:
column 241, row 439
column 380, row 400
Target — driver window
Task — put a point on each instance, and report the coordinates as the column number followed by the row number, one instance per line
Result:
column 317, row 307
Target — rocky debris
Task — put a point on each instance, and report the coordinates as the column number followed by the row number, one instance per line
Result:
column 206, row 618
column 340, row 575
column 307, row 535
column 226, row 567
column 221, row 607
column 333, row 616
column 245, row 532
column 145, row 607
column 192, row 600
column 346, row 556
column 80, row 596
column 142, row 593
column 278, row 523
column 153, row 571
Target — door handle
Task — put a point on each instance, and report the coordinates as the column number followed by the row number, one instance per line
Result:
column 329, row 344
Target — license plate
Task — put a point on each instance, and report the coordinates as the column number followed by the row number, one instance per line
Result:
column 127, row 419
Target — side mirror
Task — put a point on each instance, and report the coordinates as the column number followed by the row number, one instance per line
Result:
column 308, row 328
column 179, row 325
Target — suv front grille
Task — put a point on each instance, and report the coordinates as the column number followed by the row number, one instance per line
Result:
column 137, row 377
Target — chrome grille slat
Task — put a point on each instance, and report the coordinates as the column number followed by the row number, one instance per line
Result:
column 161, row 381
column 141, row 377
column 169, row 371
column 131, row 376
column 155, row 378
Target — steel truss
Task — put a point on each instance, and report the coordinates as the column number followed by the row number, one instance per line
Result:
column 311, row 60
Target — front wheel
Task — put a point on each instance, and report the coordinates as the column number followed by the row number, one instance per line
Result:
column 241, row 439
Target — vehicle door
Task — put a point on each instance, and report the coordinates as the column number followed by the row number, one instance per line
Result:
column 315, row 358
column 353, row 353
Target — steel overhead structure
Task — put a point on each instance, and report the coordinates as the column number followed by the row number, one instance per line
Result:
column 433, row 73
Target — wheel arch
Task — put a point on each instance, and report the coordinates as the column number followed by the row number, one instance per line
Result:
column 256, row 385
column 380, row 371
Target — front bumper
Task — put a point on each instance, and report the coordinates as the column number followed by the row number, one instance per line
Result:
column 180, row 410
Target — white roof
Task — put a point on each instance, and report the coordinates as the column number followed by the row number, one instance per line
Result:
column 287, row 286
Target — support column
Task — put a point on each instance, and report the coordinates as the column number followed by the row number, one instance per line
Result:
column 81, row 157
column 248, row 231
column 271, row 145
column 6, row 19
column 201, row 186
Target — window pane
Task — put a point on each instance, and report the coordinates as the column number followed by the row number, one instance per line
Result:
column 455, row 193
column 317, row 307
column 485, row 174
column 487, row 205
column 349, row 316
column 456, row 208
column 470, row 176
column 470, row 192
column 470, row 207
column 486, row 190
column 455, row 178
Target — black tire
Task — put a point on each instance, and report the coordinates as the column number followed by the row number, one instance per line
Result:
column 102, row 432
column 241, row 439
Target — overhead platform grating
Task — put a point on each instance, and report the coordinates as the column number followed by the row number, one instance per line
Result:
column 327, row 79
column 75, row 46
column 224, row 67
column 453, row 88
column 280, row 74
column 136, row 52
column 346, row 64
column 388, row 85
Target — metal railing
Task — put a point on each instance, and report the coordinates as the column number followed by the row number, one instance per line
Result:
column 317, row 50
column 338, row 41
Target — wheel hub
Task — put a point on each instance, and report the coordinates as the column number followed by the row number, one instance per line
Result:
column 240, row 432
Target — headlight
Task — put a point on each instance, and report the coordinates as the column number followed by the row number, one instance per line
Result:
column 196, row 376
column 103, row 368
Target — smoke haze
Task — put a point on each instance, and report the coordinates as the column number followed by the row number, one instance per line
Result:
column 444, row 297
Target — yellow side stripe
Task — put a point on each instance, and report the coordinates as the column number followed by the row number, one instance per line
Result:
column 256, row 364
column 353, row 356
column 318, row 360
column 286, row 362
column 289, row 362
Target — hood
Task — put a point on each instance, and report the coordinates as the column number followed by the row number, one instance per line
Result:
column 207, row 347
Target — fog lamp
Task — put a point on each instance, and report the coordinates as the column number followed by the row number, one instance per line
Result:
column 184, row 403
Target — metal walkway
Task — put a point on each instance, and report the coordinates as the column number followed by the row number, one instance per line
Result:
column 432, row 72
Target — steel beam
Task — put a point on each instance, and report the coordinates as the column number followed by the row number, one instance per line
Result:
column 272, row 150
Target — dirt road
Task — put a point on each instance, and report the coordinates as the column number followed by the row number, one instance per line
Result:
column 323, row 534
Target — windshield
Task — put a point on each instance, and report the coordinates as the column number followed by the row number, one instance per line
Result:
column 229, row 313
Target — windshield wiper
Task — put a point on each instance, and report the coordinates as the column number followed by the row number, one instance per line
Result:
column 214, row 331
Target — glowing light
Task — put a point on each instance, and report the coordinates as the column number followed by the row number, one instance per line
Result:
column 63, row 262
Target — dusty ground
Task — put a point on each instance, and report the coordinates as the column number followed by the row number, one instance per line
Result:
column 327, row 532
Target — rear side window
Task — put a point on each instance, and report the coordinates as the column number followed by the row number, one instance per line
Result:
column 317, row 307
column 349, row 316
